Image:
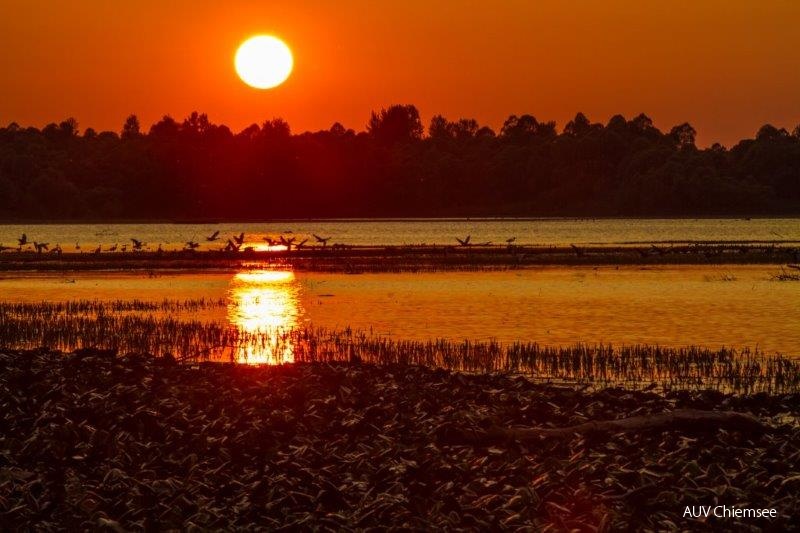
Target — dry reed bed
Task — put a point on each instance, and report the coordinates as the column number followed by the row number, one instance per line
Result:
column 120, row 327
column 79, row 307
column 97, row 442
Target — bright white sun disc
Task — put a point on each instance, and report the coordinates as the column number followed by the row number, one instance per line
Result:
column 263, row 62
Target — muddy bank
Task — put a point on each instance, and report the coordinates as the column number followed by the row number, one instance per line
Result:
column 91, row 440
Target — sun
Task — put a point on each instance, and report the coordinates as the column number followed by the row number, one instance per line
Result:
column 263, row 61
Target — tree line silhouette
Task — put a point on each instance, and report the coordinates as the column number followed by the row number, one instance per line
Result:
column 194, row 170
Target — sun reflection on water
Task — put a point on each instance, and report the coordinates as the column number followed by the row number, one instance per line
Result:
column 263, row 305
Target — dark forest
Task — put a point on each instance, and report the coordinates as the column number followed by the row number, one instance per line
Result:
column 196, row 170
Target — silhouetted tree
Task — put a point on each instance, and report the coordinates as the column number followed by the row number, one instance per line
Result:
column 485, row 132
column 578, row 126
column 69, row 127
column 165, row 128
column 642, row 123
column 768, row 132
column 465, row 128
column 197, row 169
column 519, row 129
column 337, row 130
column 398, row 123
column 130, row 130
column 275, row 129
column 439, row 128
column 683, row 135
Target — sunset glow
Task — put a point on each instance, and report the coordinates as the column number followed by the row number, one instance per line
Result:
column 470, row 266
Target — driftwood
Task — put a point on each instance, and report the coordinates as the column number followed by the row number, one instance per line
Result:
column 690, row 420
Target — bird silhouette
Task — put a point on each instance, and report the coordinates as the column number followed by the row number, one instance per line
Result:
column 23, row 240
column 270, row 241
column 231, row 247
column 56, row 250
column 301, row 244
column 511, row 240
column 578, row 251
column 113, row 248
column 240, row 239
column 137, row 244
column 287, row 242
column 192, row 245
column 465, row 242
column 40, row 246
column 98, row 249
column 213, row 237
column 322, row 240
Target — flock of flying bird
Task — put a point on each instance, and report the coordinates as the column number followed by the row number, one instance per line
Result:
column 234, row 244
column 289, row 242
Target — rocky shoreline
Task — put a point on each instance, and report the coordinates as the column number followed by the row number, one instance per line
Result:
column 96, row 441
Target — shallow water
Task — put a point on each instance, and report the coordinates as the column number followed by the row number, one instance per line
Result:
column 709, row 306
column 373, row 232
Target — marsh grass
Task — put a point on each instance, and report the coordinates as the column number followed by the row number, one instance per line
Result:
column 134, row 327
column 785, row 275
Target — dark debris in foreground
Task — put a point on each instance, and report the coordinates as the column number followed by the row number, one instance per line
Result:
column 92, row 441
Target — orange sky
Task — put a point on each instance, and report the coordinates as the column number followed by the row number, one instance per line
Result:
column 725, row 66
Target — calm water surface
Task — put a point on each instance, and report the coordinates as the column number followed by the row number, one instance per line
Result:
column 737, row 306
column 373, row 232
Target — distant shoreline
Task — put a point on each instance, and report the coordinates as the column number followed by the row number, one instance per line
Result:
column 360, row 259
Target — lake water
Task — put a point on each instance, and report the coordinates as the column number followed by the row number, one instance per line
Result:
column 398, row 232
column 709, row 306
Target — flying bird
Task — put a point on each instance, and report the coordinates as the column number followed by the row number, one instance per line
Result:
column 23, row 240
column 240, row 239
column 41, row 246
column 137, row 244
column 231, row 247
column 213, row 237
column 511, row 240
column 113, row 248
column 270, row 241
column 465, row 242
column 322, row 240
column 287, row 242
column 192, row 245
